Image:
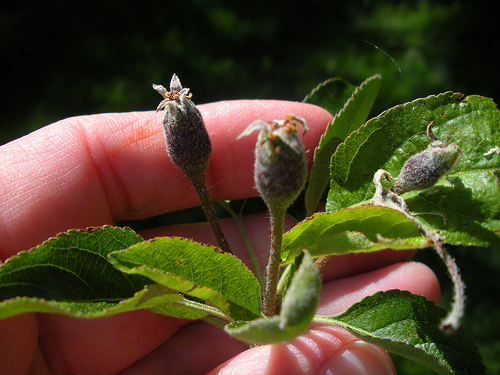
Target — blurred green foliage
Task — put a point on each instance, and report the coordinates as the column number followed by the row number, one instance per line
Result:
column 60, row 59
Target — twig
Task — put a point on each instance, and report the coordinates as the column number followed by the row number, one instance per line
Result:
column 210, row 213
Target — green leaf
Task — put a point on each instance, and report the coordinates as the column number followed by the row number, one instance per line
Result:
column 331, row 94
column 301, row 298
column 390, row 139
column 298, row 308
column 70, row 274
column 351, row 115
column 287, row 275
column 72, row 266
column 153, row 297
column 352, row 230
column 197, row 270
column 408, row 325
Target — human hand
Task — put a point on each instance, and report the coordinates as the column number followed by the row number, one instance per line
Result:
column 102, row 169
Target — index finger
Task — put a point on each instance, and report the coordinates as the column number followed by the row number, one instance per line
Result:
column 101, row 169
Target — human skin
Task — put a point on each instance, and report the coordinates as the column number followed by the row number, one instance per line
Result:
column 103, row 169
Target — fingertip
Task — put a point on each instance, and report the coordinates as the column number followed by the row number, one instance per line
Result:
column 324, row 349
column 357, row 358
column 414, row 277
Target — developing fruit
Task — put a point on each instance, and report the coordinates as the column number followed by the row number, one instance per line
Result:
column 188, row 143
column 280, row 175
column 280, row 161
column 189, row 146
column 424, row 169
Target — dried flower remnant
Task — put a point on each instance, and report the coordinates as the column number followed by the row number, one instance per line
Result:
column 188, row 145
column 280, row 175
column 280, row 163
column 385, row 197
column 424, row 169
column 493, row 150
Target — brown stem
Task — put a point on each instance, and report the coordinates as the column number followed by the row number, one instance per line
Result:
column 208, row 207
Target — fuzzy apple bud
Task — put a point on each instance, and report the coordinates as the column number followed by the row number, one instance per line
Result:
column 424, row 169
column 280, row 162
column 189, row 146
column 188, row 143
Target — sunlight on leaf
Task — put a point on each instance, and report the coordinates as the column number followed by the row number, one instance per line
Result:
column 72, row 266
column 153, row 297
column 349, row 114
column 195, row 269
column 390, row 139
column 408, row 325
column 353, row 230
column 71, row 275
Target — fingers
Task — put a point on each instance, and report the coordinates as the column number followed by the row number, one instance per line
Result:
column 18, row 344
column 118, row 335
column 100, row 169
column 102, row 345
column 322, row 348
column 327, row 349
column 259, row 233
column 195, row 349
column 96, row 170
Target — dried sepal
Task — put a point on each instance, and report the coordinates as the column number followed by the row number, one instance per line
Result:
column 283, row 129
column 385, row 197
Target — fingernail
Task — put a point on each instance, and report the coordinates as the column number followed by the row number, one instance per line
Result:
column 357, row 358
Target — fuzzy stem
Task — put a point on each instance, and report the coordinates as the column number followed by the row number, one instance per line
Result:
column 273, row 265
column 452, row 320
column 201, row 188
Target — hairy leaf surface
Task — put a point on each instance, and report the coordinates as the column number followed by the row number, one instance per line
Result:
column 350, row 113
column 352, row 230
column 390, row 139
column 408, row 325
column 197, row 270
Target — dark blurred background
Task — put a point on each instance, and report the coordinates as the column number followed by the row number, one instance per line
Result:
column 62, row 58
